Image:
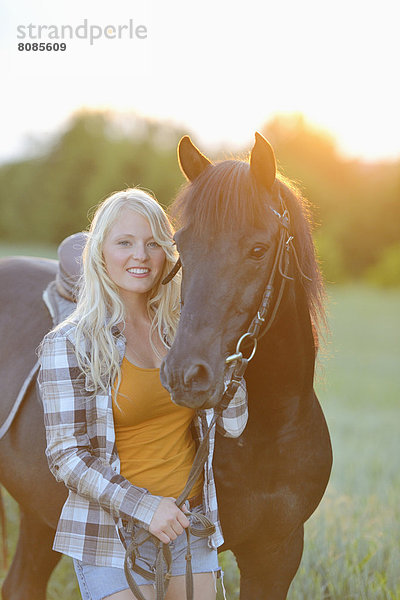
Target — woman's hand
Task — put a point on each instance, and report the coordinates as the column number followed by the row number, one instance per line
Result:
column 168, row 521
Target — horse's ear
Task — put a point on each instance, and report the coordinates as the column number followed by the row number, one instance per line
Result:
column 191, row 161
column 262, row 162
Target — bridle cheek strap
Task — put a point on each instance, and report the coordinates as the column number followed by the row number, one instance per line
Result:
column 173, row 272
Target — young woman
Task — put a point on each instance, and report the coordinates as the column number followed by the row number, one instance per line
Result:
column 114, row 437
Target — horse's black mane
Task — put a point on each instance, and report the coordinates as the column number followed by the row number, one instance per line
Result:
column 226, row 197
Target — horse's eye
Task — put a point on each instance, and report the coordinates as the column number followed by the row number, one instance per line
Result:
column 258, row 252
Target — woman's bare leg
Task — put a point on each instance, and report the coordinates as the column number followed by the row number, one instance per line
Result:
column 203, row 585
column 147, row 591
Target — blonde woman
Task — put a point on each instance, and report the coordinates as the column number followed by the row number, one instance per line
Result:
column 114, row 437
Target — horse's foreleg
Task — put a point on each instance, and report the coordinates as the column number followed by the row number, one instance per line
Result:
column 266, row 574
column 33, row 562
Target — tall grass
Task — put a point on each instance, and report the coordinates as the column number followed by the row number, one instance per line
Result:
column 352, row 540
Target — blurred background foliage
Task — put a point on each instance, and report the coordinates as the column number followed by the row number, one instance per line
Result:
column 355, row 205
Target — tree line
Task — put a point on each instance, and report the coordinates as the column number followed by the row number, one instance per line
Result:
column 355, row 205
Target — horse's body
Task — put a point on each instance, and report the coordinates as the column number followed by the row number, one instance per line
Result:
column 269, row 480
column 24, row 320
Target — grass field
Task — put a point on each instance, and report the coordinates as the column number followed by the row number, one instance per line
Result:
column 352, row 541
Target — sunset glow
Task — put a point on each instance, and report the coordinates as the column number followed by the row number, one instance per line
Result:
column 221, row 72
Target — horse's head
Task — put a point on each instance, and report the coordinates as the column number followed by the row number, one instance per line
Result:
column 227, row 247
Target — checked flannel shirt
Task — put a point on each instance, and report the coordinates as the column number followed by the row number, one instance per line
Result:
column 81, row 452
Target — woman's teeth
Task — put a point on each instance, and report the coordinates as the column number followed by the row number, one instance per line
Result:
column 138, row 270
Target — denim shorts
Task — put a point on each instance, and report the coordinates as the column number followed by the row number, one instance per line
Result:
column 96, row 583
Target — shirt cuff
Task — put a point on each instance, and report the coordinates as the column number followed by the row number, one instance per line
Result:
column 145, row 509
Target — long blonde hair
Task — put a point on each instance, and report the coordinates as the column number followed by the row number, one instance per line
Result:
column 99, row 307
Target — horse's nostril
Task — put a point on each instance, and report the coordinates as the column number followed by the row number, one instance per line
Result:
column 197, row 376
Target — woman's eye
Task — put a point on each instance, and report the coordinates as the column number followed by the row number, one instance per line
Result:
column 153, row 245
column 123, row 243
column 258, row 252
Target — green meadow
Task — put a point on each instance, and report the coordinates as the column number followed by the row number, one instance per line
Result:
column 352, row 540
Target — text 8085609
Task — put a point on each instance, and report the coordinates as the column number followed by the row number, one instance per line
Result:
column 42, row 46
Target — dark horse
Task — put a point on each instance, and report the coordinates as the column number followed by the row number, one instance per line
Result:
column 271, row 479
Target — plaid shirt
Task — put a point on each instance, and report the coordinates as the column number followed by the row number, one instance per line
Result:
column 81, row 452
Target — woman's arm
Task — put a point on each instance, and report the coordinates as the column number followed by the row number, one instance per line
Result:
column 69, row 450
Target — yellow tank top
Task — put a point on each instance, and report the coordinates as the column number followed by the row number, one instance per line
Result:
column 153, row 435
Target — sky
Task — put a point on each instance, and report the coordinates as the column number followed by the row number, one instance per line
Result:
column 219, row 69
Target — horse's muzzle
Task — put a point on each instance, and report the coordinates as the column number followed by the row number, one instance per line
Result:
column 192, row 384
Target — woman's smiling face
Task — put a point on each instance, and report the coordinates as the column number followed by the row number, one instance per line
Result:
column 133, row 259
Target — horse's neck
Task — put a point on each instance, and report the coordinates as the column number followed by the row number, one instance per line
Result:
column 280, row 378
